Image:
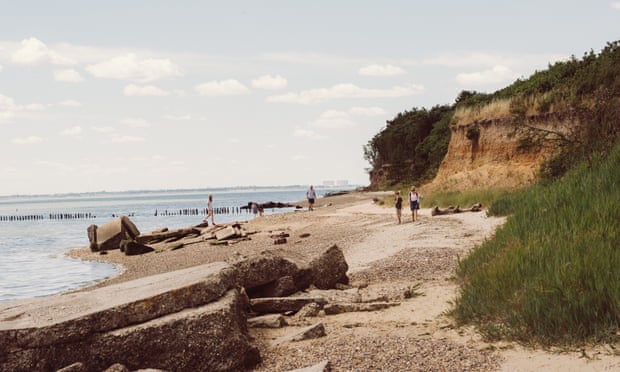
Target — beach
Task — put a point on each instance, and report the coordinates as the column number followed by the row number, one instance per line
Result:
column 386, row 261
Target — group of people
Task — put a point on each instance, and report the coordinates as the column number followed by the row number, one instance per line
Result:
column 414, row 204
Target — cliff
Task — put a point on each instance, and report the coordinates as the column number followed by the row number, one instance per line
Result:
column 490, row 153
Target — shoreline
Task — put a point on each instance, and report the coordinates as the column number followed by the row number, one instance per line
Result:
column 385, row 259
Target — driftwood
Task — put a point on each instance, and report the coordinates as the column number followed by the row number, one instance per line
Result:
column 452, row 209
column 168, row 236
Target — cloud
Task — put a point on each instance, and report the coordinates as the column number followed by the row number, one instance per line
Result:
column 135, row 122
column 9, row 109
column 133, row 90
column 306, row 133
column 35, row 52
column 269, row 82
column 615, row 4
column 72, row 132
column 381, row 70
column 104, row 130
column 130, row 68
column 1, row 68
column 178, row 117
column 345, row 119
column 70, row 103
column 68, row 75
column 229, row 87
column 498, row 74
column 128, row 139
column 30, row 140
column 345, row 91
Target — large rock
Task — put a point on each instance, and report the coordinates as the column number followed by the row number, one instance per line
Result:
column 329, row 269
column 96, row 326
column 212, row 337
column 110, row 234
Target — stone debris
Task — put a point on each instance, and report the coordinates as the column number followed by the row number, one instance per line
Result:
column 339, row 308
column 314, row 331
column 319, row 367
column 267, row 321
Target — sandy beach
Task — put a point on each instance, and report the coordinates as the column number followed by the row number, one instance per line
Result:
column 385, row 259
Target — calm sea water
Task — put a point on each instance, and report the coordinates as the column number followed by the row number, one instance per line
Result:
column 32, row 260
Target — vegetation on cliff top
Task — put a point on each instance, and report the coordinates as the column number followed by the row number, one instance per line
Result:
column 412, row 145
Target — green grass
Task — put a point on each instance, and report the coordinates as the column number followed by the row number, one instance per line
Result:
column 551, row 274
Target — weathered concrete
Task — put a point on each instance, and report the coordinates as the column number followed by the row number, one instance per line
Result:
column 314, row 331
column 71, row 317
column 267, row 321
column 271, row 305
column 110, row 234
column 212, row 337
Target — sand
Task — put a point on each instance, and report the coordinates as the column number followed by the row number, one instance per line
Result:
column 385, row 260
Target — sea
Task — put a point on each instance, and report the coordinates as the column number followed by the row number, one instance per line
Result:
column 37, row 230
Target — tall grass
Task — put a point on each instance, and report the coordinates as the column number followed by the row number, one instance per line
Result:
column 551, row 275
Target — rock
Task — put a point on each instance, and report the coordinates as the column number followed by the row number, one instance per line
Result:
column 75, row 367
column 320, row 367
column 117, row 367
column 314, row 331
column 226, row 233
column 83, row 314
column 267, row 321
column 110, row 234
column 330, row 268
column 339, row 308
column 281, row 287
column 131, row 248
column 309, row 311
column 279, row 241
column 282, row 304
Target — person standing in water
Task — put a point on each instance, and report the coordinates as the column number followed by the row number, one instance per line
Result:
column 311, row 196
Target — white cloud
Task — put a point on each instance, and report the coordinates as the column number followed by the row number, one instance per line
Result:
column 615, row 4
column 345, row 119
column 128, row 139
column 104, row 130
column 381, row 70
column 135, row 122
column 1, row 68
column 333, row 119
column 34, row 107
column 306, row 133
column 72, row 132
column 129, row 67
column 367, row 111
column 30, row 140
column 35, row 52
column 133, row 90
column 498, row 74
column 345, row 91
column 9, row 109
column 269, row 82
column 228, row 87
column 71, row 103
column 178, row 117
column 68, row 75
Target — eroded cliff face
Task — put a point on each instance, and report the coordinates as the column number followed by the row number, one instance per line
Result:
column 486, row 154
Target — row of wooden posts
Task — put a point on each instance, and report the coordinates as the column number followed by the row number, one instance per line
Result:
column 78, row 216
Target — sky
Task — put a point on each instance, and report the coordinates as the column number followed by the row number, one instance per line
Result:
column 150, row 94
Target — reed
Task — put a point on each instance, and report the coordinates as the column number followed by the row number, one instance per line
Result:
column 551, row 274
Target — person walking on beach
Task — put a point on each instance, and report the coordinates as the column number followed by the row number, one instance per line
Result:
column 414, row 203
column 210, row 210
column 398, row 203
column 254, row 209
column 311, row 196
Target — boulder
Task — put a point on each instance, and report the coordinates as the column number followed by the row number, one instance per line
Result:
column 110, row 234
column 329, row 269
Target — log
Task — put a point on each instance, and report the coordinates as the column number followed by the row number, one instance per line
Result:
column 452, row 209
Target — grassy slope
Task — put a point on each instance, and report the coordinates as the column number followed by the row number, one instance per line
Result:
column 552, row 273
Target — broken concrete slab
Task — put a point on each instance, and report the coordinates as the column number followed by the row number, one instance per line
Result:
column 319, row 367
column 267, row 321
column 314, row 331
column 69, row 317
column 277, row 305
column 109, row 235
column 339, row 308
column 177, row 341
